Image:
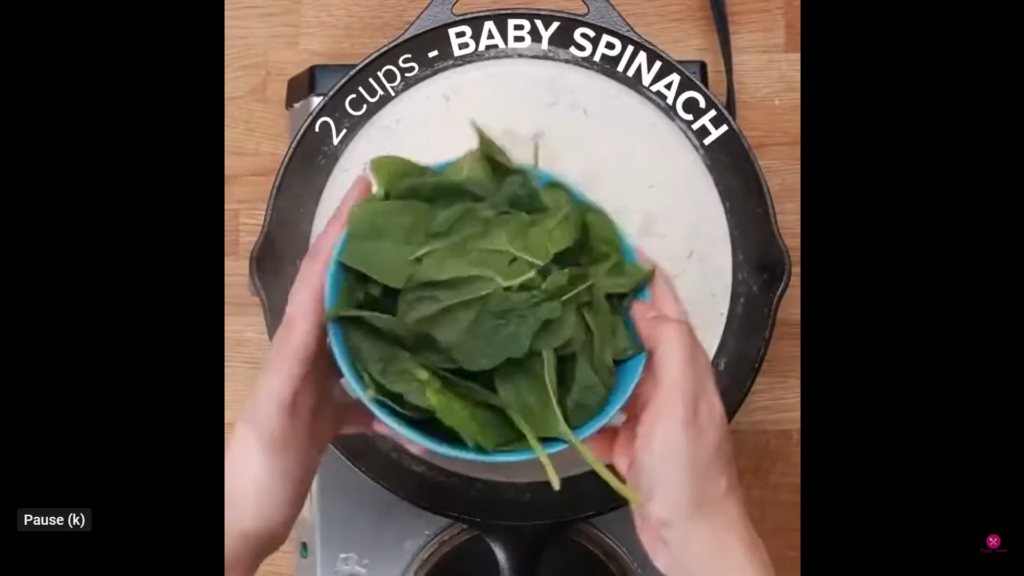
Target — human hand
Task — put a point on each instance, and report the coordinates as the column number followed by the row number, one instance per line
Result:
column 293, row 412
column 674, row 449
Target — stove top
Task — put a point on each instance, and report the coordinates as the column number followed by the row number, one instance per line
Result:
column 350, row 526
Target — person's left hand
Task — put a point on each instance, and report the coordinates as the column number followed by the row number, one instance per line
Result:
column 293, row 412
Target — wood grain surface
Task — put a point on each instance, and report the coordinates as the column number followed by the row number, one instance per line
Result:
column 267, row 41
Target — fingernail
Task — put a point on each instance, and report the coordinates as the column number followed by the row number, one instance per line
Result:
column 617, row 420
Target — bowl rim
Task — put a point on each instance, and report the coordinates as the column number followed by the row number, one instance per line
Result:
column 617, row 398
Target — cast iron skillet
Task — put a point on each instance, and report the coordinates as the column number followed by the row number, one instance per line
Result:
column 519, row 518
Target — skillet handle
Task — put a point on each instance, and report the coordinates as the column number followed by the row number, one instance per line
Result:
column 519, row 549
column 437, row 13
column 602, row 13
column 440, row 12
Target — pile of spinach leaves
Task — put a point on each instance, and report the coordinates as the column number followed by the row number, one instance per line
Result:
column 485, row 307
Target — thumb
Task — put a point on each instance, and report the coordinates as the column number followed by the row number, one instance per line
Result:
column 318, row 258
column 305, row 300
column 649, row 322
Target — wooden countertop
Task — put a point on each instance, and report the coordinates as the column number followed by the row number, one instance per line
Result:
column 267, row 41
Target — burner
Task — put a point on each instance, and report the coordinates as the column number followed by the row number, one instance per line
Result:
column 582, row 551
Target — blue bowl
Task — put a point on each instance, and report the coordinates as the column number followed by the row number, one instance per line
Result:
column 627, row 374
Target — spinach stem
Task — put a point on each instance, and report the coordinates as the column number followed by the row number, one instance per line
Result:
column 577, row 290
column 515, row 281
column 625, row 491
column 526, row 257
column 531, row 439
column 435, row 246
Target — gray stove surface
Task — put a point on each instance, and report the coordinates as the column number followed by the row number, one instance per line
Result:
column 350, row 526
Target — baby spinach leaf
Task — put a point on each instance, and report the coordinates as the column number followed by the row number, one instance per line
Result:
column 530, row 440
column 585, row 393
column 517, row 234
column 456, row 222
column 389, row 325
column 502, row 328
column 611, row 271
column 556, row 332
column 380, row 298
column 575, row 256
column 529, row 387
column 455, row 225
column 618, row 276
column 532, row 283
column 570, row 287
column 445, row 309
column 580, row 336
column 598, row 344
column 518, row 193
column 602, row 236
column 388, row 364
column 459, row 260
column 556, row 196
column 535, row 239
column 473, row 171
column 393, row 401
column 484, row 307
column 435, row 190
column 522, row 444
column 430, row 299
column 501, row 163
column 478, row 424
column 359, row 291
column 382, row 236
column 555, row 281
column 624, row 343
column 468, row 388
column 621, row 304
column 389, row 171
column 353, row 292
column 562, row 227
column 427, row 348
column 483, row 168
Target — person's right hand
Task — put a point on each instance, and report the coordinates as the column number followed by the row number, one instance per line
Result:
column 674, row 449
